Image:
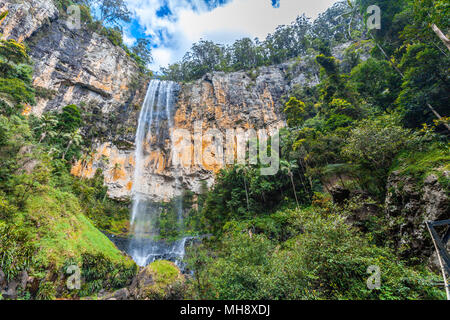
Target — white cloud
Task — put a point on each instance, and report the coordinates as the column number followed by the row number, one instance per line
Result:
column 128, row 39
column 190, row 21
column 162, row 56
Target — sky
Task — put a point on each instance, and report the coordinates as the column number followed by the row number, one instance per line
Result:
column 174, row 25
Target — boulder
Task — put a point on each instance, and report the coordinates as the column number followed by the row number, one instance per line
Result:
column 160, row 280
column 23, row 280
column 122, row 294
column 2, row 280
column 11, row 292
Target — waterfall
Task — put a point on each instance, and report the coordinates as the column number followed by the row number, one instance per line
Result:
column 156, row 110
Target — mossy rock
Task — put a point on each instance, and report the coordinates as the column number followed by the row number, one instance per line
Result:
column 161, row 280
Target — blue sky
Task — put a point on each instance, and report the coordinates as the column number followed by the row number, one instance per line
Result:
column 174, row 25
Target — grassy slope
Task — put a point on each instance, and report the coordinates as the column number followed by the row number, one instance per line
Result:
column 64, row 232
column 419, row 164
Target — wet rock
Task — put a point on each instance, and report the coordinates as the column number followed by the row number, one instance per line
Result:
column 2, row 280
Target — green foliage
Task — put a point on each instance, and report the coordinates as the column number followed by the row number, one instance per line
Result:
column 16, row 246
column 352, row 131
column 423, row 14
column 70, row 118
column 16, row 91
column 13, row 51
column 374, row 144
column 142, row 50
column 425, row 82
column 294, row 111
column 167, row 281
column 376, row 82
column 15, row 77
column 419, row 163
column 113, row 12
column 325, row 258
column 42, row 221
column 240, row 194
column 100, row 273
column 3, row 15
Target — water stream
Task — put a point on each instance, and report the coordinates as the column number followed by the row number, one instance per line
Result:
column 155, row 122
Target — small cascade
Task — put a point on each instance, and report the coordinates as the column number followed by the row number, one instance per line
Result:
column 155, row 122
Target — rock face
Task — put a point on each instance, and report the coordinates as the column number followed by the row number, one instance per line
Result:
column 220, row 102
column 10, row 289
column 214, row 104
column 410, row 203
column 77, row 66
column 25, row 17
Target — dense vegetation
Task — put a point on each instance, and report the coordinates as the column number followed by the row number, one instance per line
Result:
column 293, row 235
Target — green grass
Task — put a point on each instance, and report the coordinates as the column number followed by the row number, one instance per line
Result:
column 166, row 271
column 420, row 164
column 64, row 232
column 166, row 277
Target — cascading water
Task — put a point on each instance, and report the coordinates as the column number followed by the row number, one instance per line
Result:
column 156, row 110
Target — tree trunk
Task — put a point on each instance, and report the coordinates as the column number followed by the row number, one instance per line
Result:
column 42, row 136
column 445, row 40
column 438, row 116
column 246, row 193
column 441, row 35
column 293, row 187
column 67, row 149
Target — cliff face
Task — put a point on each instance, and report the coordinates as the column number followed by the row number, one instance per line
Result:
column 219, row 101
column 83, row 68
column 74, row 66
column 25, row 17
column 80, row 67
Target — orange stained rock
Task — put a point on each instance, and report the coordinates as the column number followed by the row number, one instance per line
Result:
column 184, row 153
column 158, row 160
column 27, row 110
column 131, row 160
column 118, row 172
column 209, row 157
column 207, row 95
column 105, row 150
column 180, row 117
column 80, row 169
column 76, row 169
column 220, row 94
column 129, row 185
